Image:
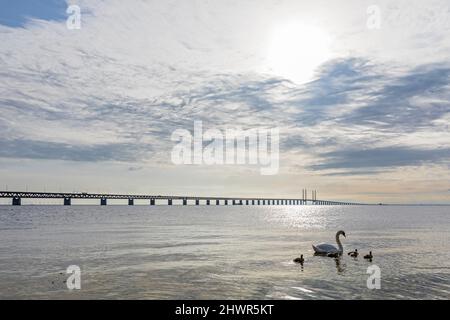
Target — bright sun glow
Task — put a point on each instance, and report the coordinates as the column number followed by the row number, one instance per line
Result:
column 296, row 50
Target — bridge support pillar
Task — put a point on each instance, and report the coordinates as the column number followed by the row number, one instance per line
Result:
column 67, row 201
column 246, row 202
column 184, row 202
column 208, row 202
column 259, row 202
column 197, row 202
column 152, row 202
column 131, row 202
column 16, row 201
column 217, row 202
column 169, row 202
column 103, row 201
column 226, row 202
column 240, row 202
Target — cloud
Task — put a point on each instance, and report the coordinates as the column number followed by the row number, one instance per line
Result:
column 387, row 157
column 398, row 102
column 135, row 168
column 31, row 149
column 353, row 173
column 116, row 89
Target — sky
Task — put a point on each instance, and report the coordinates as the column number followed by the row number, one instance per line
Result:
column 359, row 91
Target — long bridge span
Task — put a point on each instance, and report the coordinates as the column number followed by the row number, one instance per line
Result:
column 17, row 196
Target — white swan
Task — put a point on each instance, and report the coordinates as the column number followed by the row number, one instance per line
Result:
column 325, row 248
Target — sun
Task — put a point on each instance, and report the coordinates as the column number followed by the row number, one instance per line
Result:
column 296, row 50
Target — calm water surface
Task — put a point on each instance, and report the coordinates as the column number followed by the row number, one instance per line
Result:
column 240, row 252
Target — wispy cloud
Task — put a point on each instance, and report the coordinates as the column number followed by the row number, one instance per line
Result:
column 31, row 149
column 387, row 157
column 116, row 89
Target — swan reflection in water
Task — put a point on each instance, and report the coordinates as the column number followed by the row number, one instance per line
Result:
column 339, row 266
column 338, row 259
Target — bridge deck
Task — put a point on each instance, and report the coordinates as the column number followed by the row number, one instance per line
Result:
column 66, row 195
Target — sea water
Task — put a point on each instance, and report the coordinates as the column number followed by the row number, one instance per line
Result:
column 223, row 252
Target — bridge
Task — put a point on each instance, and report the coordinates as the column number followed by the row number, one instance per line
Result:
column 17, row 197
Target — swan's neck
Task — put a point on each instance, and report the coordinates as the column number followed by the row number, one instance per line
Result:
column 341, row 248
